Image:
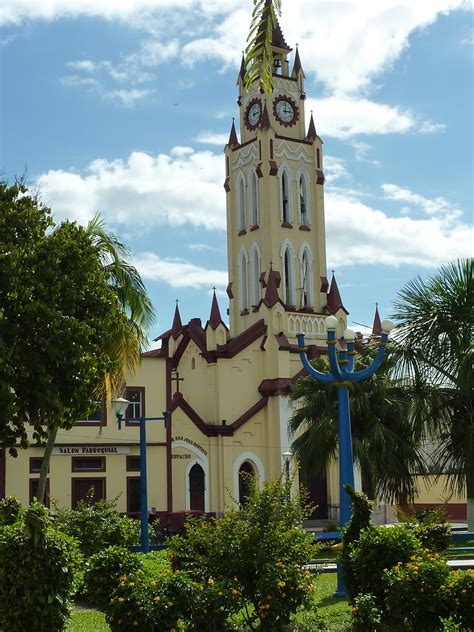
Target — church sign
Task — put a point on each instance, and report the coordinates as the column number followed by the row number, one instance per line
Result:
column 87, row 450
column 191, row 442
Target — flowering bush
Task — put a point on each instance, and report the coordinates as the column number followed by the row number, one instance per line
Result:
column 366, row 616
column 417, row 594
column 377, row 550
column 255, row 553
column 461, row 600
column 103, row 571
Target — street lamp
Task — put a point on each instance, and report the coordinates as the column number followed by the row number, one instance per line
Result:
column 119, row 407
column 342, row 374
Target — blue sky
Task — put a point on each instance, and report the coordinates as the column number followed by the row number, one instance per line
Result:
column 124, row 108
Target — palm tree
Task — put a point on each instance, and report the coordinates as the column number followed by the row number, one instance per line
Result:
column 385, row 441
column 435, row 336
column 130, row 338
column 258, row 53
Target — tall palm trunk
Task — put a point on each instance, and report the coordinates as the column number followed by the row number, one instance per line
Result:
column 48, row 450
column 470, row 501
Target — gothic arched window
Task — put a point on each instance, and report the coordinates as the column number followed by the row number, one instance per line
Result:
column 285, row 196
column 244, row 290
column 255, row 276
column 246, row 471
column 288, row 277
column 306, row 280
column 241, row 214
column 196, row 488
column 303, row 200
column 254, row 199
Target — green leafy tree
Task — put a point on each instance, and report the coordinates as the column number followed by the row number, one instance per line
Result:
column 385, row 440
column 127, row 340
column 56, row 309
column 435, row 339
column 258, row 53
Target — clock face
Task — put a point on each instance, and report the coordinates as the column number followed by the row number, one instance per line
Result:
column 254, row 113
column 285, row 111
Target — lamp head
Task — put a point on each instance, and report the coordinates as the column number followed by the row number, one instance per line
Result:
column 349, row 335
column 287, row 455
column 119, row 406
column 387, row 326
column 331, row 323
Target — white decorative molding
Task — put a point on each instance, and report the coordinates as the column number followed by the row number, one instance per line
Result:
column 285, row 85
column 297, row 152
column 245, row 156
column 306, row 324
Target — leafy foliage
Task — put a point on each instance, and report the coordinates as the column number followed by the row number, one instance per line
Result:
column 38, row 565
column 258, row 53
column 431, row 527
column 57, row 309
column 97, row 525
column 366, row 615
column 379, row 549
column 10, row 510
column 435, row 333
column 360, row 519
column 385, row 440
column 103, row 571
column 256, row 553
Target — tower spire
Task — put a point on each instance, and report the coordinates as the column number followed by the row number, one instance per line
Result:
column 311, row 135
column 177, row 324
column 377, row 326
column 215, row 318
column 297, row 68
column 334, row 300
column 233, row 140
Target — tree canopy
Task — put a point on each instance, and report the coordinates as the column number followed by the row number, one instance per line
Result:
column 58, row 316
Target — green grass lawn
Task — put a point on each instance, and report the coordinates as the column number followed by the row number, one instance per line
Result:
column 331, row 613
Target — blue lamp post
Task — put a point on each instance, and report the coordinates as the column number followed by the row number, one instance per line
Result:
column 120, row 406
column 342, row 374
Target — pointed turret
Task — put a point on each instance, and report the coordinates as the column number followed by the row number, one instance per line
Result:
column 297, row 68
column 177, row 324
column 311, row 135
column 271, row 290
column 265, row 122
column 233, row 140
column 377, row 326
column 215, row 318
column 242, row 69
column 334, row 301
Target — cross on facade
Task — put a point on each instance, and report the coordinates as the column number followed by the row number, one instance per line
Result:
column 177, row 379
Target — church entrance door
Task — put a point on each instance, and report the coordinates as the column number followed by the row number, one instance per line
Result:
column 316, row 484
column 196, row 488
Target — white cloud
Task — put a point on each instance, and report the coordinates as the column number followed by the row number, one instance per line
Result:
column 204, row 248
column 427, row 127
column 184, row 187
column 435, row 206
column 359, row 234
column 178, row 273
column 335, row 169
column 212, row 138
column 346, row 45
column 128, row 97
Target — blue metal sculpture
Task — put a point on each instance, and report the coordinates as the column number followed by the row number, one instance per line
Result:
column 120, row 405
column 342, row 375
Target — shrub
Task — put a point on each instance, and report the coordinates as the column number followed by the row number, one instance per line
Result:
column 98, row 525
column 148, row 605
column 10, row 510
column 431, row 527
column 416, row 594
column 360, row 519
column 103, row 571
column 366, row 615
column 379, row 549
column 461, row 591
column 38, row 564
column 255, row 553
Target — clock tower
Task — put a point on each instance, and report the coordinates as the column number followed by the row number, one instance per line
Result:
column 275, row 208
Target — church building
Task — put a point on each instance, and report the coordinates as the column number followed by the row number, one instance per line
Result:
column 225, row 382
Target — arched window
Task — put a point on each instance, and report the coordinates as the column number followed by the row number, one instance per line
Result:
column 196, row 488
column 285, row 196
column 303, row 200
column 256, row 290
column 289, row 277
column 246, row 471
column 254, row 199
column 241, row 204
column 306, row 280
column 244, row 290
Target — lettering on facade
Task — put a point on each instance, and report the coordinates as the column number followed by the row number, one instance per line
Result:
column 181, row 456
column 193, row 443
column 90, row 450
